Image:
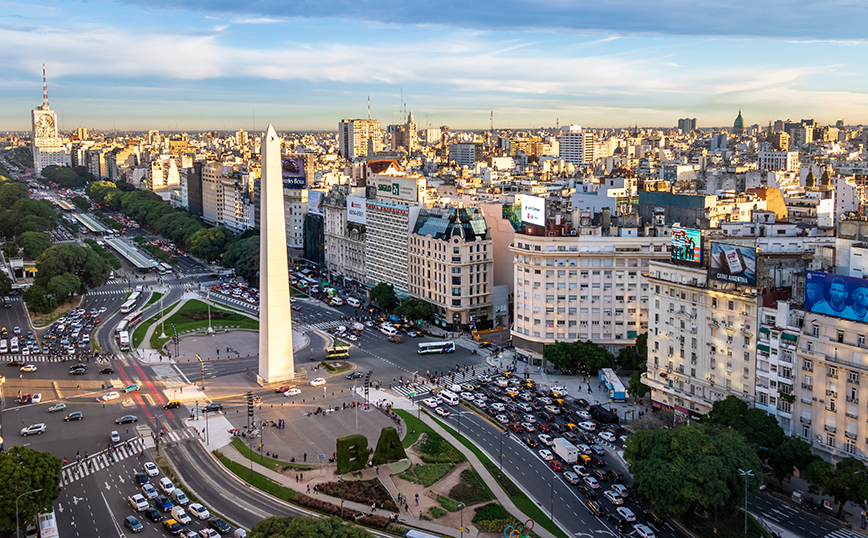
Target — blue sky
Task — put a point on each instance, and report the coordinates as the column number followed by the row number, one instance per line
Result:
column 197, row 64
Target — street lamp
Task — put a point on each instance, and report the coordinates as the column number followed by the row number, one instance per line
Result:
column 208, row 300
column 745, row 474
column 162, row 318
column 17, row 525
column 462, row 519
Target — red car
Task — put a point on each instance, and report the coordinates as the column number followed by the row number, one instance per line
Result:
column 556, row 465
column 25, row 399
column 516, row 427
column 545, row 428
column 282, row 389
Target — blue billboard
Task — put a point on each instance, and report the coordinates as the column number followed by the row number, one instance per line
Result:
column 685, row 246
column 836, row 295
column 733, row 263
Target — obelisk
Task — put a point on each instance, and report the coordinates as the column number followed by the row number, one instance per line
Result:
column 275, row 325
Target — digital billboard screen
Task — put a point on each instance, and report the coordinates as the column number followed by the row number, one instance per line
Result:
column 293, row 173
column 533, row 210
column 733, row 263
column 686, row 246
column 836, row 295
column 314, row 202
column 356, row 210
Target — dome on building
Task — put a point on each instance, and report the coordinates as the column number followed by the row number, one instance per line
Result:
column 738, row 125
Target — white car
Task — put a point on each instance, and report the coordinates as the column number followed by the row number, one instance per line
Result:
column 57, row 407
column 209, row 533
column 503, row 419
column 627, row 513
column 581, row 471
column 151, row 469
column 28, row 368
column 430, row 402
column 607, row 436
column 560, row 390
column 581, row 413
column 109, row 397
column 198, row 511
column 643, row 531
column 613, row 497
column 591, row 482
column 546, row 455
column 292, row 392
column 466, row 395
column 138, row 502
column 33, row 428
column 317, row 382
column 621, row 490
column 166, row 485
column 545, row 439
column 37, row 397
column 149, row 491
column 442, row 412
column 587, row 426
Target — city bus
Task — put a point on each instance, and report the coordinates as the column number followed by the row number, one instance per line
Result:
column 436, row 347
column 130, row 303
column 46, row 525
column 128, row 322
column 125, row 341
column 123, row 326
column 165, row 269
column 337, row 353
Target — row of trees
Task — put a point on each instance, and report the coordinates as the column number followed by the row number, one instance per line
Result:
column 69, row 178
column 383, row 295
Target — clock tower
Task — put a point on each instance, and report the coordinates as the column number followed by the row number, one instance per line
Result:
column 47, row 146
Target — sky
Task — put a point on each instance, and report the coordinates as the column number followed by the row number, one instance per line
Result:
column 305, row 65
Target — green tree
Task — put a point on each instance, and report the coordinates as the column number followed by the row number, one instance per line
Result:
column 21, row 470
column 635, row 387
column 64, row 286
column 415, row 310
column 87, row 265
column 384, row 295
column 37, row 300
column 306, row 527
column 792, row 454
column 81, row 203
column 5, row 283
column 243, row 255
column 210, row 243
column 33, row 243
column 12, row 192
column 758, row 428
column 690, row 468
column 635, row 357
column 846, row 482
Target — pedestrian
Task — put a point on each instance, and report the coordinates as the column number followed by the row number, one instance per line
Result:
column 417, row 499
column 378, row 471
column 316, row 489
column 305, row 456
column 420, row 515
column 301, row 476
column 373, row 507
column 308, row 488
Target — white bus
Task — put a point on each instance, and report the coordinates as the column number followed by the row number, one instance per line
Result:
column 130, row 303
column 165, row 269
column 436, row 347
column 47, row 525
column 125, row 341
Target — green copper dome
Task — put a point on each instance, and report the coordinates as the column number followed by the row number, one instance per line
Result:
column 739, row 122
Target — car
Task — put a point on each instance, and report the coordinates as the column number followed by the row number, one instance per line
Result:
column 621, row 490
column 613, row 497
column 209, row 533
column 281, row 389
column 556, row 465
column 115, row 437
column 292, row 392
column 587, row 426
column 531, row 442
column 57, row 407
column 127, row 419
column 75, row 415
column 180, row 498
column 643, row 531
column 172, row 526
column 28, row 368
column 587, row 492
column 316, row 383
column 163, row 503
column 618, row 521
column 528, row 427
column 219, row 525
column 131, row 388
column 607, row 436
column 151, row 468
column 571, row 437
column 545, row 428
column 517, row 428
column 167, row 486
column 179, row 515
column 149, row 491
column 77, row 371
column 142, row 479
column 172, row 404
column 442, row 412
column 627, row 513
column 198, row 511
column 583, row 414
column 113, row 395
column 14, row 363
column 138, row 502
column 581, row 470
column 503, row 419
column 545, row 439
column 133, row 524
column 212, row 407
column 583, row 403
column 591, row 482
column 37, row 429
column 153, row 514
column 190, row 533
column 595, row 508
column 598, row 450
column 615, row 476
column 571, row 477
column 107, row 370
column 354, row 375
column 653, row 518
column 546, row 454
column 600, row 475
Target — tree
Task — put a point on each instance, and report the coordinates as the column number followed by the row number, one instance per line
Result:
column 64, row 286
column 36, row 299
column 12, row 192
column 846, row 482
column 635, row 358
column 5, row 283
column 33, row 243
column 758, row 428
column 384, row 295
column 87, row 265
column 825, row 179
column 579, row 355
column 415, row 310
column 243, row 255
column 690, row 468
column 81, row 202
column 21, row 470
column 210, row 243
column 306, row 527
column 636, row 387
column 792, row 454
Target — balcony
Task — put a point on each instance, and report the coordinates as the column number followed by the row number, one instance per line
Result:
column 853, row 380
column 830, row 429
column 851, row 415
column 806, row 420
column 853, row 399
column 807, row 387
column 832, row 393
column 806, row 400
column 849, row 435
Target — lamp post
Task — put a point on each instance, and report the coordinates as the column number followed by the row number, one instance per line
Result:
column 462, row 519
column 162, row 319
column 17, row 525
column 208, row 300
column 745, row 474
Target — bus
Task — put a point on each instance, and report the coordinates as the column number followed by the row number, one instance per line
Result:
column 128, row 322
column 46, row 525
column 125, row 341
column 436, row 347
column 164, row 269
column 337, row 353
column 130, row 303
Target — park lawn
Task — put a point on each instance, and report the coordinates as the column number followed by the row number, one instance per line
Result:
column 257, row 480
column 428, row 474
column 413, row 425
column 185, row 324
column 142, row 328
column 271, row 463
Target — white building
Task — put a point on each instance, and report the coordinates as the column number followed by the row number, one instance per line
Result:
column 360, row 137
column 345, row 237
column 576, row 145
column 779, row 160
column 47, row 147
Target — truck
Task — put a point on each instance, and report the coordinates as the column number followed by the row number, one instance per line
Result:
column 396, row 338
column 565, row 450
column 601, row 414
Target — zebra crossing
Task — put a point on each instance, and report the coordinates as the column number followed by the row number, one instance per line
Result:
column 40, row 357
column 844, row 532
column 108, row 292
column 425, row 388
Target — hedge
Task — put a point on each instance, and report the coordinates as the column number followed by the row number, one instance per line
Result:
column 388, row 447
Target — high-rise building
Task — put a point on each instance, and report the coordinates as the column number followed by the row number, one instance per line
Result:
column 47, row 147
column 576, row 145
column 359, row 137
column 687, row 125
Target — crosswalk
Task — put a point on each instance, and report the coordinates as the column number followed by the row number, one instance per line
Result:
column 422, row 389
column 108, row 292
column 97, row 462
column 844, row 533
column 40, row 357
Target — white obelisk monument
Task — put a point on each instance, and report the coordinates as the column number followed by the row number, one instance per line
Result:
column 275, row 326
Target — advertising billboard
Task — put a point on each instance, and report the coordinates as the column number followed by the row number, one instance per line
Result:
column 293, row 173
column 533, row 210
column 685, row 246
column 408, row 189
column 733, row 263
column 356, row 209
column 314, row 202
column 836, row 295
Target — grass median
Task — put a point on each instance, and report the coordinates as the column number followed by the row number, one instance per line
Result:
column 194, row 316
column 271, row 463
column 142, row 329
column 257, row 480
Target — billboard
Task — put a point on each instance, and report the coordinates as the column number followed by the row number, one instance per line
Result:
column 314, row 202
column 408, row 189
column 293, row 173
column 686, row 246
column 732, row 263
column 836, row 295
column 356, row 209
column 533, row 210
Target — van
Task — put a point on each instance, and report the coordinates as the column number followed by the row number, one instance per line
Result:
column 449, row 397
column 454, row 388
column 352, row 301
column 389, row 331
column 179, row 497
column 180, row 515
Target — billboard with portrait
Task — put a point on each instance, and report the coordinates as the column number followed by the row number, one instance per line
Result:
column 733, row 263
column 314, row 202
column 293, row 173
column 533, row 210
column 685, row 246
column 836, row 295
column 356, row 210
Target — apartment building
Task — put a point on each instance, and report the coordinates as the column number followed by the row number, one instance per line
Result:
column 344, row 231
column 779, row 160
column 450, row 265
column 576, row 145
column 359, row 137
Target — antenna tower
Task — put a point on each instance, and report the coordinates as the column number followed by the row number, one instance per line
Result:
column 44, row 89
column 369, row 106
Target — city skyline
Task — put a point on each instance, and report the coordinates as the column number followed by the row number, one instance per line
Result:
column 187, row 66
